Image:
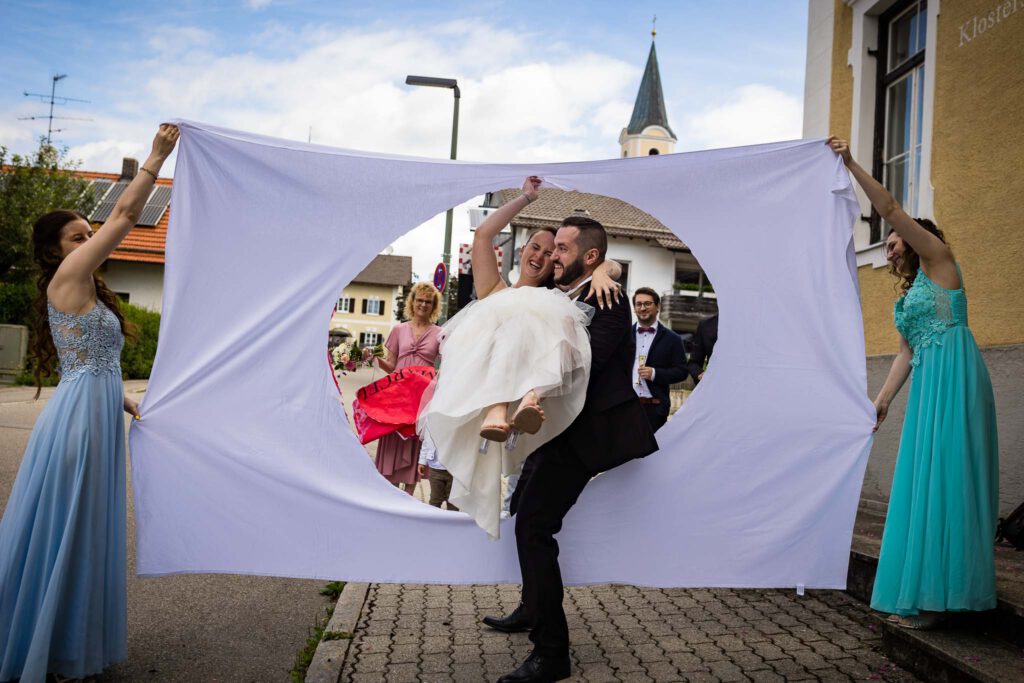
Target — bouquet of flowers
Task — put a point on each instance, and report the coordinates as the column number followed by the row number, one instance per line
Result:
column 348, row 358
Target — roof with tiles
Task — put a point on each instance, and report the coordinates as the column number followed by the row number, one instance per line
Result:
column 395, row 271
column 142, row 244
column 619, row 218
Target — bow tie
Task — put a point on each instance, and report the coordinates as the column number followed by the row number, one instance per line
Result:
column 645, row 330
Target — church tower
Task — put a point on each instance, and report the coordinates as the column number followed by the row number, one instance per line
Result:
column 648, row 131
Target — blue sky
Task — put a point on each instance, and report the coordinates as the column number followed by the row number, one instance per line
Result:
column 540, row 81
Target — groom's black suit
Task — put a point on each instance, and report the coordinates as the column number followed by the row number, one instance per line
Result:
column 610, row 430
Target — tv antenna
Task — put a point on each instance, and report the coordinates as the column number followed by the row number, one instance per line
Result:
column 53, row 99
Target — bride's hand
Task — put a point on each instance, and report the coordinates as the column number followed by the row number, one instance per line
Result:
column 531, row 187
column 604, row 288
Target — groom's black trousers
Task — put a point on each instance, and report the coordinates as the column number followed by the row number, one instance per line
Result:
column 551, row 481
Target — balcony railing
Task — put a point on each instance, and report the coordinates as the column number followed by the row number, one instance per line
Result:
column 682, row 310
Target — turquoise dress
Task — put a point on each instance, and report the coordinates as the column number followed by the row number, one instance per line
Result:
column 937, row 546
column 63, row 592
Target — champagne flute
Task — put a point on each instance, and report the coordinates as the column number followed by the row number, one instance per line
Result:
column 643, row 360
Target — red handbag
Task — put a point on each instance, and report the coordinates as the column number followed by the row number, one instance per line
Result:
column 391, row 403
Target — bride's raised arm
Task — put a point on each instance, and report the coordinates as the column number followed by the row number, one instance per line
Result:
column 486, row 277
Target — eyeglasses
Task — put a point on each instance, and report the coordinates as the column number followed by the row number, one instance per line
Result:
column 644, row 304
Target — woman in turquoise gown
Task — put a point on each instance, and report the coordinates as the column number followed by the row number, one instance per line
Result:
column 937, row 547
column 63, row 566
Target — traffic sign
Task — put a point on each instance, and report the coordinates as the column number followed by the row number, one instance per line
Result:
column 440, row 276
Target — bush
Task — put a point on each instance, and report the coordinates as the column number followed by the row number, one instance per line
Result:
column 138, row 354
column 692, row 286
column 16, row 303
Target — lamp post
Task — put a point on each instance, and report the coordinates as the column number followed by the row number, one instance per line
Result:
column 453, row 85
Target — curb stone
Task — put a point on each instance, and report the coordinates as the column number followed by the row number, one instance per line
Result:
column 330, row 654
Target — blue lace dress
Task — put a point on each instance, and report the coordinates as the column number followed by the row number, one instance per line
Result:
column 63, row 600
column 937, row 545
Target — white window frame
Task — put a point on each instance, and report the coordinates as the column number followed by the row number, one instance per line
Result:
column 366, row 336
column 373, row 302
column 345, row 305
column 865, row 37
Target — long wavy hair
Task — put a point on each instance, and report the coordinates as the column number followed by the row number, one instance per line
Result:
column 46, row 234
column 907, row 271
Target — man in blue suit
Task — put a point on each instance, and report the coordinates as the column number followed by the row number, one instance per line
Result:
column 660, row 359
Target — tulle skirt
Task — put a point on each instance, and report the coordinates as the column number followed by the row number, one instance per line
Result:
column 495, row 351
column 63, row 591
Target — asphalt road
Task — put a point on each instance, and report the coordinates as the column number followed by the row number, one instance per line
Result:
column 191, row 628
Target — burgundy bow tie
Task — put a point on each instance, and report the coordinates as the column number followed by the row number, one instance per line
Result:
column 644, row 330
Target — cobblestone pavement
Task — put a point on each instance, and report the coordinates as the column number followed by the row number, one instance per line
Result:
column 622, row 633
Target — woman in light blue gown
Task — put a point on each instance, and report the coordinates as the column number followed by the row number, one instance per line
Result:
column 63, row 599
column 937, row 547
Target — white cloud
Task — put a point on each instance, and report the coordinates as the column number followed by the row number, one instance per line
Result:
column 108, row 154
column 257, row 4
column 522, row 100
column 174, row 40
column 750, row 115
column 16, row 135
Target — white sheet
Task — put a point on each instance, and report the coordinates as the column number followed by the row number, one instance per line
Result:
column 244, row 462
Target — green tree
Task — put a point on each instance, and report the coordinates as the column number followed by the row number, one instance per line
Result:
column 400, row 303
column 451, row 290
column 29, row 187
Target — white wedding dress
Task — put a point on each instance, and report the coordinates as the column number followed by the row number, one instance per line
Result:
column 495, row 351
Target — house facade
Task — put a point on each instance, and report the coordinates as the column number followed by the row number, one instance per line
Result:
column 365, row 311
column 135, row 271
column 929, row 94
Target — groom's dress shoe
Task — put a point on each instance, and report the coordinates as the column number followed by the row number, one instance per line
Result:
column 513, row 623
column 540, row 669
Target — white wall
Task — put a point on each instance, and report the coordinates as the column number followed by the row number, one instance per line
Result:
column 818, row 72
column 143, row 282
column 649, row 265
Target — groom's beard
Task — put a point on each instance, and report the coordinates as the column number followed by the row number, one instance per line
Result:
column 570, row 273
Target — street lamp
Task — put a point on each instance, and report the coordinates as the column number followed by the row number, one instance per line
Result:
column 453, row 85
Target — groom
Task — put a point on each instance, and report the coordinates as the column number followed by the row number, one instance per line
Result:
column 610, row 430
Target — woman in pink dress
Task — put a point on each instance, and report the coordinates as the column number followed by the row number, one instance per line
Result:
column 410, row 343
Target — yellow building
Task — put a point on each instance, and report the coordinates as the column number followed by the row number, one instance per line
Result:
column 365, row 311
column 929, row 94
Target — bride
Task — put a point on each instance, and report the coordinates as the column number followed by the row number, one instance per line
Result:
column 526, row 345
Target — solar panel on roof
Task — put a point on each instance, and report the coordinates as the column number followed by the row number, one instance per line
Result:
column 99, row 188
column 102, row 211
column 155, row 207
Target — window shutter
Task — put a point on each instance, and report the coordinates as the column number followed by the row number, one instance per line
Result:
column 364, row 306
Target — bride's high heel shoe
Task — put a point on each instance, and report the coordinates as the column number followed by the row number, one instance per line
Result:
column 495, row 428
column 497, row 433
column 529, row 417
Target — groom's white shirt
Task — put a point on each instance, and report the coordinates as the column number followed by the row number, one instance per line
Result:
column 575, row 291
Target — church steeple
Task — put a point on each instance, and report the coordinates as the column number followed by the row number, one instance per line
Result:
column 648, row 131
